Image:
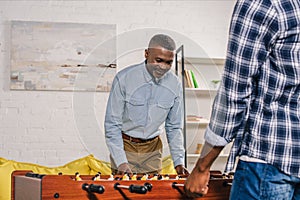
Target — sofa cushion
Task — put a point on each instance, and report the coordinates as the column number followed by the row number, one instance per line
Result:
column 168, row 166
column 8, row 166
column 99, row 166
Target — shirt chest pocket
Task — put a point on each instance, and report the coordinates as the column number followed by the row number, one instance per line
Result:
column 162, row 109
column 137, row 110
column 166, row 105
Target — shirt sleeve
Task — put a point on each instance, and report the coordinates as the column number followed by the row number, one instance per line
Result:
column 252, row 32
column 113, row 123
column 173, row 125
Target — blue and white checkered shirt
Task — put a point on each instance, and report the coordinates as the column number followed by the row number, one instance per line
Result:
column 258, row 103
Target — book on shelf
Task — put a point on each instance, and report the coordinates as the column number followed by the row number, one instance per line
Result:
column 190, row 78
column 194, row 79
column 198, row 148
column 194, row 119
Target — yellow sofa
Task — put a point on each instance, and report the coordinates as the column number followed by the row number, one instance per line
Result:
column 88, row 165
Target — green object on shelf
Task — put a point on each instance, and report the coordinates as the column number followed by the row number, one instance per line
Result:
column 216, row 81
column 194, row 79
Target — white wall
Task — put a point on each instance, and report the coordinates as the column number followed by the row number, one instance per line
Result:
column 52, row 128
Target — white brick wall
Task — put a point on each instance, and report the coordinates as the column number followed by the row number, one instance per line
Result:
column 52, row 128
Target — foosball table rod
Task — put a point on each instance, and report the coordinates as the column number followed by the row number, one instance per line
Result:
column 139, row 189
column 176, row 185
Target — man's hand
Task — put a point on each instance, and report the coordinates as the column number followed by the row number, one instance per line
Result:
column 196, row 184
column 180, row 169
column 124, row 167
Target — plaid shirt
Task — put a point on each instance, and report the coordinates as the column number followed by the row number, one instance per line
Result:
column 258, row 103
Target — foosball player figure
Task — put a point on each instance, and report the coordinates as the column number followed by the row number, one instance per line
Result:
column 134, row 177
column 125, row 177
column 144, row 177
column 97, row 177
column 166, row 177
column 224, row 176
column 155, row 177
column 178, row 177
column 160, row 177
column 111, row 177
column 77, row 176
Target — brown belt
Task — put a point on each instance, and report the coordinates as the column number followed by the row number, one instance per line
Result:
column 136, row 140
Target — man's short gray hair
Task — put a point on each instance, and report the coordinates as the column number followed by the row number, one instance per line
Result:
column 162, row 40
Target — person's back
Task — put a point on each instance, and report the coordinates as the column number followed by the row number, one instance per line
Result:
column 269, row 85
column 258, row 103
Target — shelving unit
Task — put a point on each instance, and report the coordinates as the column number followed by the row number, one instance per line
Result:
column 198, row 102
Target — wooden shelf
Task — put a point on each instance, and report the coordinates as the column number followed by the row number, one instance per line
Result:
column 202, row 60
column 197, row 60
column 194, row 155
column 201, row 90
column 200, row 122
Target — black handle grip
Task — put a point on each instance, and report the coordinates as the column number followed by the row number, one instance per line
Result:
column 93, row 188
column 96, row 188
column 139, row 189
column 148, row 186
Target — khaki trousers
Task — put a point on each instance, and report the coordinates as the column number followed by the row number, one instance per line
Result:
column 143, row 157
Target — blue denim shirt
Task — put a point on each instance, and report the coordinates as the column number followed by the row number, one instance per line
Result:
column 142, row 107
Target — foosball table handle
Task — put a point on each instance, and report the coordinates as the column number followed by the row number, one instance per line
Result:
column 139, row 189
column 176, row 185
column 179, row 187
column 93, row 188
column 225, row 184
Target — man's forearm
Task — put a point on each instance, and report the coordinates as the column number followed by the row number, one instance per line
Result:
column 198, row 181
column 208, row 156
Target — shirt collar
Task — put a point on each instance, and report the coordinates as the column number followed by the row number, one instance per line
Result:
column 148, row 77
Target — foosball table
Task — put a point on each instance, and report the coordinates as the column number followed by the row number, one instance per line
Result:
column 27, row 185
